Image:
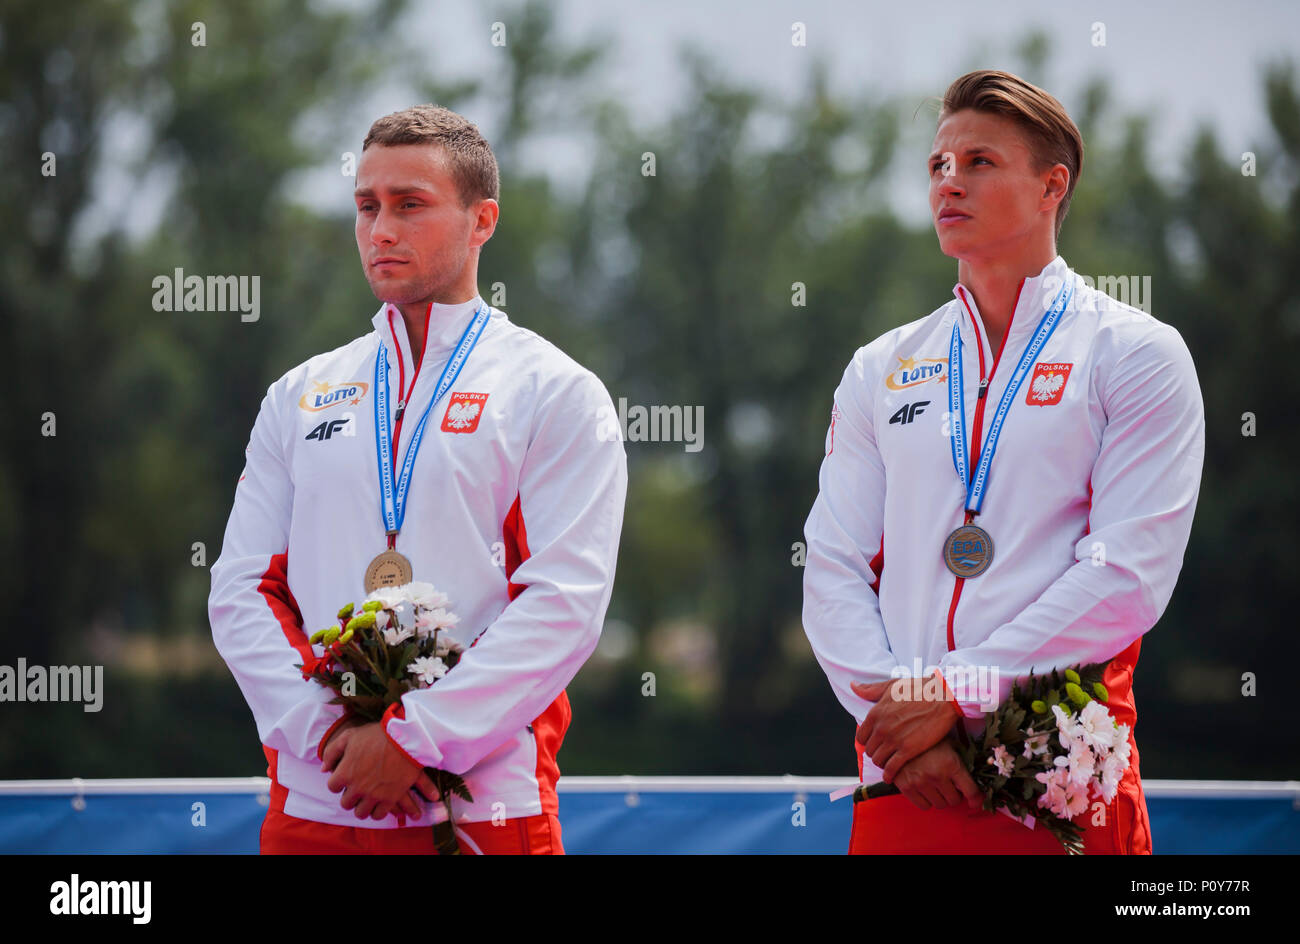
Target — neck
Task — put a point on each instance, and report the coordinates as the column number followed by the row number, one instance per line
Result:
column 414, row 314
column 995, row 284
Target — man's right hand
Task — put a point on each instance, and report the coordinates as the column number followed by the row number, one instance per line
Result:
column 350, row 722
column 407, row 805
column 937, row 778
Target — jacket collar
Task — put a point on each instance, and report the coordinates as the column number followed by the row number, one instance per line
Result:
column 1036, row 295
column 443, row 328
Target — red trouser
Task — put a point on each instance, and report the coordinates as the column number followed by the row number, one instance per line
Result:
column 892, row 825
column 528, row 835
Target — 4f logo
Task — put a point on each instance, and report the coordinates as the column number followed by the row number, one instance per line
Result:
column 327, row 429
column 909, row 411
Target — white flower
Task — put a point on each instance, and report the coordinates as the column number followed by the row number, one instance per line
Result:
column 1002, row 761
column 428, row 669
column 1065, row 724
column 438, row 619
column 390, row 597
column 397, row 634
column 1112, row 770
column 1122, row 746
column 1095, row 725
column 424, row 595
column 381, row 619
column 441, row 619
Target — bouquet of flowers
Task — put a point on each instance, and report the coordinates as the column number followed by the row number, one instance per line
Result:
column 396, row 644
column 1048, row 750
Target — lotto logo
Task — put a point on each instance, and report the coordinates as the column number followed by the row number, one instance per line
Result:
column 463, row 412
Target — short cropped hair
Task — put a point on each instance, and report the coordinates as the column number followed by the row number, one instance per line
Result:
column 1052, row 135
column 473, row 165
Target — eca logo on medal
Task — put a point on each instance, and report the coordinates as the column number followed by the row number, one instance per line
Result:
column 463, row 412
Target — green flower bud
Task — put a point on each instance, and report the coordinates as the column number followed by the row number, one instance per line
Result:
column 1077, row 695
column 331, row 634
column 1071, row 676
column 371, row 606
column 345, row 612
column 319, row 635
column 364, row 621
column 345, row 638
column 1039, row 706
column 1099, row 690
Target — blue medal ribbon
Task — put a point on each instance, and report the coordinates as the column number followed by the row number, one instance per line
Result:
column 957, row 399
column 394, row 500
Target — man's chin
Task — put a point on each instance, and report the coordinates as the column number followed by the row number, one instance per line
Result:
column 394, row 294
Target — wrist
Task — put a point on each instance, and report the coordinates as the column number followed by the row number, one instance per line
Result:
column 397, row 711
column 949, row 696
column 342, row 719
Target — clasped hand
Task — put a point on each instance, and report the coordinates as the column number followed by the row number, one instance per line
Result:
column 373, row 775
column 905, row 735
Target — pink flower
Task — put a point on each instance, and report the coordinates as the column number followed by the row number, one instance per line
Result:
column 1081, row 763
column 1054, row 799
column 1076, row 801
column 1002, row 761
column 1035, row 742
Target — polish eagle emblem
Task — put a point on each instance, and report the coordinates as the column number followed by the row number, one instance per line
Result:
column 1046, row 385
column 461, row 415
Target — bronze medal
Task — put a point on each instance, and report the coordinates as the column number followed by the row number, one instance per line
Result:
column 389, row 569
column 968, row 551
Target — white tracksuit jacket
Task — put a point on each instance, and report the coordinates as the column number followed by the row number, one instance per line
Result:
column 1089, row 500
column 514, row 511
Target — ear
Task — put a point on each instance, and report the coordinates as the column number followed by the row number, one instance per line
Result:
column 1056, row 182
column 485, row 222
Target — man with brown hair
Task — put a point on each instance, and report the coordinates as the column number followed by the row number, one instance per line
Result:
column 1097, row 426
column 505, row 497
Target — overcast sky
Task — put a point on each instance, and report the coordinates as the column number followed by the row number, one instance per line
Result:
column 1181, row 62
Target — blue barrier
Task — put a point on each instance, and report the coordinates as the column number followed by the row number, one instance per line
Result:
column 601, row 815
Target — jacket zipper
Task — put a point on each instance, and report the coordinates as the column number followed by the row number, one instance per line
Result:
column 977, row 432
column 403, row 397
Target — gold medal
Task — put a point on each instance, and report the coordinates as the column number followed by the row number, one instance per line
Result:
column 389, row 569
column 968, row 551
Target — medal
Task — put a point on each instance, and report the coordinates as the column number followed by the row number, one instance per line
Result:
column 968, row 550
column 389, row 568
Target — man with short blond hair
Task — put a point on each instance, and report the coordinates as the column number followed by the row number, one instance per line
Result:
column 1062, row 550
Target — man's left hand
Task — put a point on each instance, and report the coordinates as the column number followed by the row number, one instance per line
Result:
column 371, row 772
column 902, row 724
